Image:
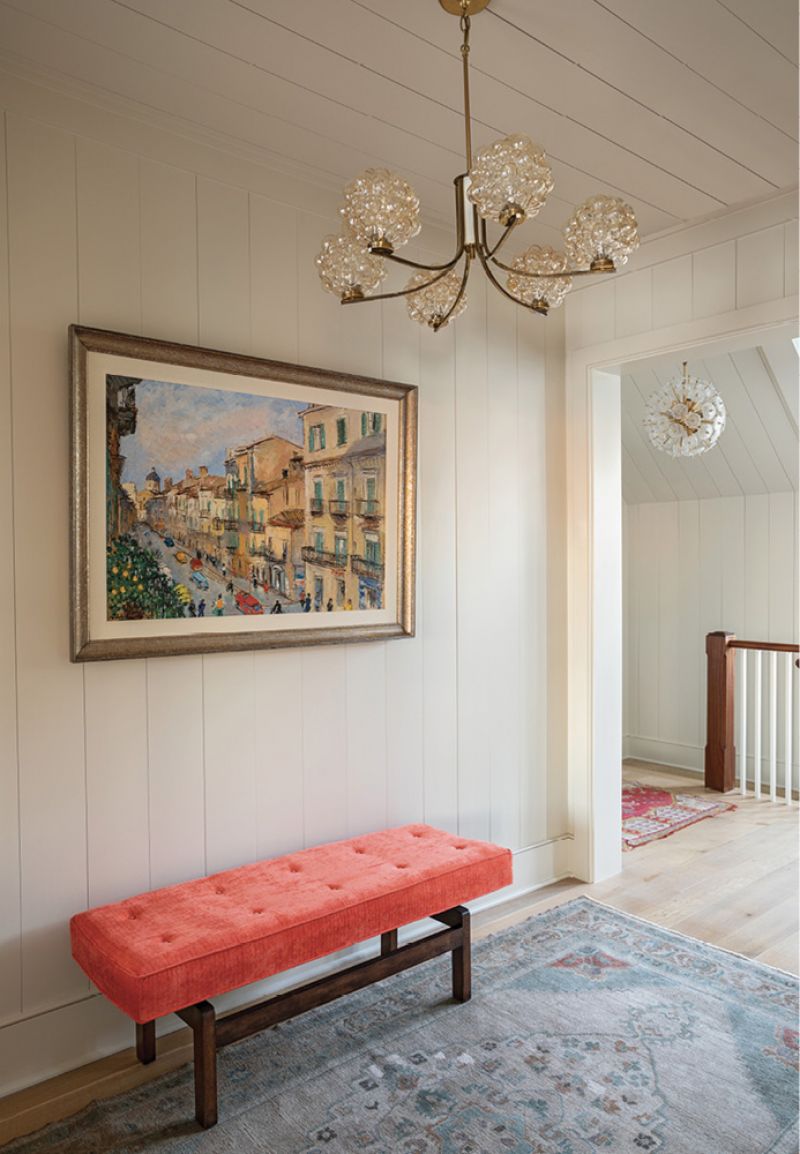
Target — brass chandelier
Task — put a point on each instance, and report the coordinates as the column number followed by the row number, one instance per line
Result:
column 506, row 183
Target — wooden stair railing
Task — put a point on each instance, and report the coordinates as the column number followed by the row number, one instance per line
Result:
column 720, row 751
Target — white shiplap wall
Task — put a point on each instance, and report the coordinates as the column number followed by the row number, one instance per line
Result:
column 122, row 776
column 692, row 567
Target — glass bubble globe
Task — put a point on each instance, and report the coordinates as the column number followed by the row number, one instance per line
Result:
column 381, row 210
column 430, row 305
column 541, row 292
column 346, row 269
column 603, row 229
column 510, row 179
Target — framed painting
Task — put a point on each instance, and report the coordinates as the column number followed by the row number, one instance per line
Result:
column 224, row 502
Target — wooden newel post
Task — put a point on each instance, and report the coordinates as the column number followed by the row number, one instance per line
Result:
column 720, row 763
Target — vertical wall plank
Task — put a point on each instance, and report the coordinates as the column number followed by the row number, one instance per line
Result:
column 279, row 705
column 552, row 697
column 223, row 266
column 759, row 267
column 325, row 743
column 475, row 594
column 714, row 280
column 168, row 222
column 672, row 292
column 634, row 312
column 648, row 574
column 630, row 605
column 756, row 567
column 405, row 766
column 278, row 676
column 10, row 955
column 438, row 538
column 229, row 697
column 691, row 634
column 169, row 252
column 229, row 731
column 365, row 689
column 501, row 610
column 366, row 738
column 175, row 760
column 534, row 802
column 670, row 703
column 782, row 562
column 42, row 256
column 109, row 296
column 325, row 712
column 109, row 282
column 273, row 280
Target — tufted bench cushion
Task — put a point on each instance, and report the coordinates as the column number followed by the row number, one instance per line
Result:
column 159, row 952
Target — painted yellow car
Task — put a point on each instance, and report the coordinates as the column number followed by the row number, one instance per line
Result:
column 181, row 556
column 183, row 594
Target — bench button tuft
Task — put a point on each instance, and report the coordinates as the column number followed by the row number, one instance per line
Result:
column 401, row 866
column 258, row 911
column 294, row 869
column 219, row 890
column 334, row 887
column 166, row 937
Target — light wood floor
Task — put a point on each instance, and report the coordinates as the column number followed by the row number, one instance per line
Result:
column 730, row 880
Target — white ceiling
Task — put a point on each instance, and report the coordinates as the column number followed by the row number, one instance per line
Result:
column 758, row 451
column 682, row 107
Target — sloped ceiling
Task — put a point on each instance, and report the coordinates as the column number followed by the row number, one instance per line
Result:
column 683, row 108
column 758, row 451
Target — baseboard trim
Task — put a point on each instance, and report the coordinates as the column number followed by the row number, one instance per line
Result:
column 56, row 1098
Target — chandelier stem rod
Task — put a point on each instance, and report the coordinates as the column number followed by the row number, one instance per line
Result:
column 465, row 25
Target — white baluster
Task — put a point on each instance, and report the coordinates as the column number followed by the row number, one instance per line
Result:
column 773, row 726
column 743, row 722
column 787, row 728
column 757, row 726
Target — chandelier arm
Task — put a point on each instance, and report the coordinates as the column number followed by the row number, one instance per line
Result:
column 459, row 295
column 506, row 234
column 505, row 292
column 551, row 275
column 425, row 267
column 406, row 292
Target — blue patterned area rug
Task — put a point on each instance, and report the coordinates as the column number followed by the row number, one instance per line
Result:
column 589, row 1032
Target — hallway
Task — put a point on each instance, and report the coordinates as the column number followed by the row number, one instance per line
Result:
column 728, row 880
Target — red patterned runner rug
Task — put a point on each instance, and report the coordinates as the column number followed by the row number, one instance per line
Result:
column 649, row 813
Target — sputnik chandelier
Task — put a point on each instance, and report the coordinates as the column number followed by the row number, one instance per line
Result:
column 686, row 417
column 505, row 183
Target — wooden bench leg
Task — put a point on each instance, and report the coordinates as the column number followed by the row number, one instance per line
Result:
column 146, row 1042
column 462, row 962
column 388, row 942
column 203, row 1021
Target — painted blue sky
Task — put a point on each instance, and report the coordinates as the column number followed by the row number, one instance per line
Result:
column 180, row 427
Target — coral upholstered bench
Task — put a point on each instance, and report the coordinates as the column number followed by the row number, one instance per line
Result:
column 171, row 950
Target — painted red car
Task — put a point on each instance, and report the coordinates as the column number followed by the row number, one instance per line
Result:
column 247, row 603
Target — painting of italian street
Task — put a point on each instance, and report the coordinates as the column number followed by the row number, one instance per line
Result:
column 220, row 503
